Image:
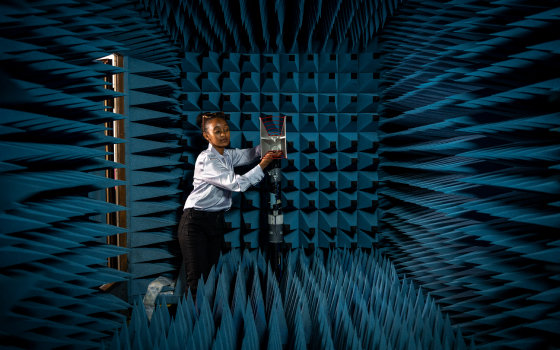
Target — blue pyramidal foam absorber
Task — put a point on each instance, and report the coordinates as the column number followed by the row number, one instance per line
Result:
column 469, row 155
column 53, row 232
column 469, row 168
column 155, row 172
column 330, row 103
column 272, row 26
column 344, row 299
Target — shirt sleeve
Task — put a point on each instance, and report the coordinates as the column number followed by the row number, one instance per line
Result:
column 214, row 172
column 245, row 156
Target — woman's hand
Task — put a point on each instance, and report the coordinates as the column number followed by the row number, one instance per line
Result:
column 269, row 157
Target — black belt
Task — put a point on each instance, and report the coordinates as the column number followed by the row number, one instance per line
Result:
column 204, row 214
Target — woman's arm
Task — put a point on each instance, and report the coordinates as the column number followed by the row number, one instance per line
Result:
column 245, row 156
column 214, row 172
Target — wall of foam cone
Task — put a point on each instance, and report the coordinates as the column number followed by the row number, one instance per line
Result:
column 454, row 176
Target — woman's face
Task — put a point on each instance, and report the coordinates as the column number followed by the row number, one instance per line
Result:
column 217, row 132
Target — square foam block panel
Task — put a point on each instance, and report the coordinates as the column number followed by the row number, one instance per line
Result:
column 330, row 108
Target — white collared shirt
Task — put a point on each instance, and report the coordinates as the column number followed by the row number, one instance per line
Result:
column 214, row 179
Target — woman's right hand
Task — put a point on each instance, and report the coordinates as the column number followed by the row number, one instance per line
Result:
column 269, row 157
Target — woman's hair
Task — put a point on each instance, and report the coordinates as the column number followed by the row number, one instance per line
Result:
column 203, row 118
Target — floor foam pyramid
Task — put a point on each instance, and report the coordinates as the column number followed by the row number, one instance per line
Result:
column 339, row 300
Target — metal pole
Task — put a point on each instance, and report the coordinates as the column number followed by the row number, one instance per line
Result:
column 275, row 218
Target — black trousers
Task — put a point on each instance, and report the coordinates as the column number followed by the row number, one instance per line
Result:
column 201, row 237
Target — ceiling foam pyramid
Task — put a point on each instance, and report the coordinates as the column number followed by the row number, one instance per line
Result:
column 273, row 26
column 340, row 300
column 469, row 163
column 330, row 105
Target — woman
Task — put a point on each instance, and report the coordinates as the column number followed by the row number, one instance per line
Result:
column 201, row 230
